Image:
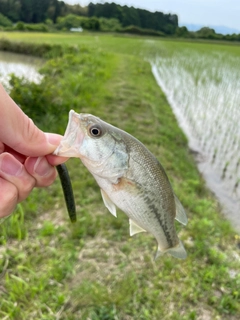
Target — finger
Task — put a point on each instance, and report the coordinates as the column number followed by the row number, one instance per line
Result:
column 2, row 147
column 8, row 197
column 14, row 172
column 55, row 160
column 21, row 158
column 41, row 170
column 25, row 138
column 51, row 137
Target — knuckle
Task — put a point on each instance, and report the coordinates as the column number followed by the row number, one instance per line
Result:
column 8, row 197
column 30, row 129
column 29, row 184
column 46, row 181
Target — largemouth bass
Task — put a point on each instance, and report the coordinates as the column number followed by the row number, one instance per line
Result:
column 130, row 178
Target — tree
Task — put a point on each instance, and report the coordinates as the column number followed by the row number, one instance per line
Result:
column 69, row 21
column 206, row 33
column 130, row 16
column 11, row 9
column 182, row 32
column 127, row 16
column 32, row 11
column 74, row 21
column 78, row 10
column 110, row 24
column 4, row 21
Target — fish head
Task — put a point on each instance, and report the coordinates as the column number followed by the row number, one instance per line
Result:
column 86, row 136
column 95, row 142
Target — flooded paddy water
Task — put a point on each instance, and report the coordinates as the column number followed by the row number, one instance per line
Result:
column 202, row 85
column 20, row 65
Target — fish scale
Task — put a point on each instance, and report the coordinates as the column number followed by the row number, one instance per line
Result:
column 162, row 191
column 130, row 178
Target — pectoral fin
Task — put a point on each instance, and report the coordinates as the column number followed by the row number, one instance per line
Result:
column 134, row 228
column 180, row 212
column 108, row 203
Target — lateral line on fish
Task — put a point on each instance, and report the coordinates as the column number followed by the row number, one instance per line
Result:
column 162, row 224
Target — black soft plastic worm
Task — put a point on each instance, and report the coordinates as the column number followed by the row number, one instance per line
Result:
column 67, row 191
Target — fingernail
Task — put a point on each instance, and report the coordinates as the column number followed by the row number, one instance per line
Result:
column 53, row 138
column 42, row 167
column 10, row 165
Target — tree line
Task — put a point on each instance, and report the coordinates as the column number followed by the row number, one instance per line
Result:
column 141, row 18
column 38, row 11
column 52, row 15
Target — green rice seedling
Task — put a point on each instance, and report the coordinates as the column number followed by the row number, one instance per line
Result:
column 201, row 84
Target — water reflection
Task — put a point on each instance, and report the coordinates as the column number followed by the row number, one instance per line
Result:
column 20, row 65
column 204, row 92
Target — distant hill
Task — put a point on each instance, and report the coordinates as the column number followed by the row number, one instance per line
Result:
column 218, row 29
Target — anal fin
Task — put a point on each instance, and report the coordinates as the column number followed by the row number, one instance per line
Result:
column 134, row 228
column 108, row 203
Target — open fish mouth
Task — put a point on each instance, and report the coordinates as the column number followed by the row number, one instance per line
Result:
column 72, row 139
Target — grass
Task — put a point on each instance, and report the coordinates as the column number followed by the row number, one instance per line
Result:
column 93, row 269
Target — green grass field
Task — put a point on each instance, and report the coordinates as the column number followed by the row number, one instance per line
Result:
column 52, row 269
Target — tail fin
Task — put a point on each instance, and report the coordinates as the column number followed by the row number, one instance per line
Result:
column 177, row 252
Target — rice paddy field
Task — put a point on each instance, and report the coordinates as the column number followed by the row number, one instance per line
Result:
column 51, row 269
column 203, row 88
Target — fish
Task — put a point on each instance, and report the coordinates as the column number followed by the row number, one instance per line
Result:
column 130, row 178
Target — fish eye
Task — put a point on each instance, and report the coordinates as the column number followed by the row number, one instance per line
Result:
column 95, row 131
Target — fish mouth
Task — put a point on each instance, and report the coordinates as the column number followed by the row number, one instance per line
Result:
column 72, row 139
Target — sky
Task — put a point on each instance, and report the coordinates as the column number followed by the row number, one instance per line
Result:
column 202, row 12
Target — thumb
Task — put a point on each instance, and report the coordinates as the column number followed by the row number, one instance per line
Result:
column 20, row 133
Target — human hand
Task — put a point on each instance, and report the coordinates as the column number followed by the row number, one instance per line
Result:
column 25, row 155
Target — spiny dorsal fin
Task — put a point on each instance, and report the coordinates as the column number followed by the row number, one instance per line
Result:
column 180, row 212
column 108, row 203
column 134, row 228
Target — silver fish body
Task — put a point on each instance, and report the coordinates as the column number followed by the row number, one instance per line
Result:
column 130, row 177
